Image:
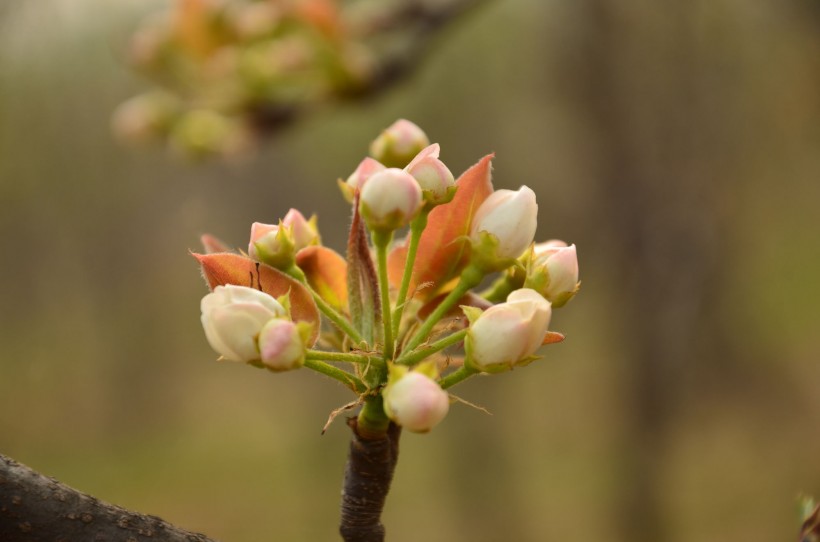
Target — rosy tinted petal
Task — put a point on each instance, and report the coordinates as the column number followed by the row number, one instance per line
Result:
column 235, row 328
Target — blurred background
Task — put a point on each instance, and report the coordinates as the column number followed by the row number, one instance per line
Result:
column 676, row 143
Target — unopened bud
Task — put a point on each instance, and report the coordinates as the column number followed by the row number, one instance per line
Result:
column 509, row 218
column 507, row 334
column 145, row 117
column 398, row 144
column 202, row 132
column 390, row 200
column 435, row 179
column 366, row 169
column 281, row 345
column 233, row 316
column 304, row 232
column 415, row 401
column 271, row 245
column 554, row 271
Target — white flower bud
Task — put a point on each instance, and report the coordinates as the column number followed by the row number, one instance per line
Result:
column 233, row 316
column 390, row 200
column 511, row 217
column 508, row 334
column 364, row 171
column 434, row 178
column 303, row 232
column 416, row 402
column 281, row 346
column 399, row 143
column 555, row 266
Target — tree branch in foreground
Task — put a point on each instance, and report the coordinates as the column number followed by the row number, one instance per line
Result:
column 35, row 508
column 368, row 474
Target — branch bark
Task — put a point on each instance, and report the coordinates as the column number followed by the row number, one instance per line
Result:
column 368, row 474
column 35, row 508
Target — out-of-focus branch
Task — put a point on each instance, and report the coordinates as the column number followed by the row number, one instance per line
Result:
column 227, row 75
column 35, row 508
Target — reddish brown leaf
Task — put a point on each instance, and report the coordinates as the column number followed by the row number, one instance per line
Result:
column 225, row 268
column 326, row 273
column 553, row 337
column 212, row 245
column 444, row 250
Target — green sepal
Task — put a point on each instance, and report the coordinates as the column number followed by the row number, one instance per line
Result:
column 305, row 330
column 285, row 257
column 484, row 254
column 472, row 313
column 428, row 368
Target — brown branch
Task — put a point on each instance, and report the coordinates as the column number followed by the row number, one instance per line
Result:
column 405, row 30
column 368, row 474
column 35, row 508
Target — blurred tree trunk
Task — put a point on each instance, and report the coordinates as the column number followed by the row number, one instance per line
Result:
column 640, row 79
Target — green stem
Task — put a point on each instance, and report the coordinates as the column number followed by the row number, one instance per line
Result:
column 456, row 376
column 415, row 356
column 500, row 289
column 349, row 380
column 469, row 278
column 372, row 421
column 336, row 356
column 382, row 240
column 416, row 229
column 331, row 313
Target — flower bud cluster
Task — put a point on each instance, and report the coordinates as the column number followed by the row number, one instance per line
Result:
column 459, row 232
column 248, row 61
column 249, row 326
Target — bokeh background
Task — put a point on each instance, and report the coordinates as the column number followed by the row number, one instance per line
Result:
column 676, row 143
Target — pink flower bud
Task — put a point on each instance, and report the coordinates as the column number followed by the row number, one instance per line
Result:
column 511, row 217
column 390, row 200
column 399, row 143
column 281, row 346
column 271, row 245
column 436, row 181
column 303, row 232
column 356, row 180
column 559, row 265
column 233, row 316
column 416, row 402
column 508, row 334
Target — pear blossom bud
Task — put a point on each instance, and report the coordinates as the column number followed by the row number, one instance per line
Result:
column 436, row 180
column 554, row 271
column 508, row 334
column 511, row 218
column 272, row 245
column 416, row 402
column 399, row 143
column 356, row 180
column 390, row 200
column 303, row 232
column 281, row 346
column 233, row 316
column 145, row 117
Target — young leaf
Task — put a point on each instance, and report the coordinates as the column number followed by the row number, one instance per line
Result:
column 225, row 268
column 212, row 244
column 362, row 281
column 326, row 273
column 444, row 248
